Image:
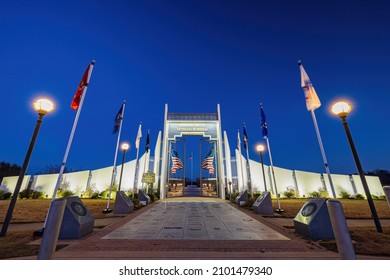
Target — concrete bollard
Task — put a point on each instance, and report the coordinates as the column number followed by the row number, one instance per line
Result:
column 52, row 229
column 386, row 189
column 340, row 230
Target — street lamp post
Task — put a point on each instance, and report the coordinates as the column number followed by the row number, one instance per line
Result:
column 42, row 107
column 342, row 109
column 124, row 148
column 260, row 148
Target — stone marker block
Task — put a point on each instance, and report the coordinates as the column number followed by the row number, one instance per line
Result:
column 263, row 205
column 242, row 198
column 313, row 220
column 123, row 204
column 77, row 220
column 143, row 198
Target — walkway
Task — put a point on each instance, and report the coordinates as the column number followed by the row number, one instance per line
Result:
column 192, row 228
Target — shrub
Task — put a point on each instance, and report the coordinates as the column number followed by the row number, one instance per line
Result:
column 65, row 193
column 323, row 193
column 95, row 195
column 290, row 193
column 250, row 202
column 345, row 195
column 137, row 205
column 315, row 194
column 233, row 196
column 4, row 195
column 373, row 196
column 36, row 195
column 256, row 194
column 152, row 196
column 90, row 192
column 106, row 192
column 359, row 196
column 26, row 193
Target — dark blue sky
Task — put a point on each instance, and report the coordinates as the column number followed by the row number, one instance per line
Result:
column 194, row 55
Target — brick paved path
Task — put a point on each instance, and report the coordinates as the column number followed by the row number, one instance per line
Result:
column 192, row 228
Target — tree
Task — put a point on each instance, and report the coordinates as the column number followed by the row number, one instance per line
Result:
column 8, row 169
column 54, row 169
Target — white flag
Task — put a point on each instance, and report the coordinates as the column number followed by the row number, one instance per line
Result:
column 139, row 135
column 238, row 142
column 312, row 100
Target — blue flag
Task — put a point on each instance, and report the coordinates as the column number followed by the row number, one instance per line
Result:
column 118, row 119
column 264, row 128
column 147, row 143
column 245, row 137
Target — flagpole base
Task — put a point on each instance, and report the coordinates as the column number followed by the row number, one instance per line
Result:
column 39, row 232
column 107, row 210
column 279, row 210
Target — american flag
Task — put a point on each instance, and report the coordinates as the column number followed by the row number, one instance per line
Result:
column 176, row 161
column 208, row 162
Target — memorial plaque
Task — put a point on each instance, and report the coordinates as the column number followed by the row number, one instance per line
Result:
column 143, row 198
column 242, row 198
column 313, row 220
column 263, row 205
column 149, row 177
column 123, row 204
column 77, row 221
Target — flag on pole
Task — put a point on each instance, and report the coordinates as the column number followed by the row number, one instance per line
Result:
column 312, row 100
column 176, row 161
column 139, row 135
column 264, row 128
column 118, row 119
column 238, row 141
column 147, row 143
column 208, row 163
column 245, row 137
column 83, row 84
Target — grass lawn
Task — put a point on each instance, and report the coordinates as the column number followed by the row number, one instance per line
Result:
column 366, row 240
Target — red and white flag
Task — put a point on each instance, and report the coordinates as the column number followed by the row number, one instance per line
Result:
column 83, row 84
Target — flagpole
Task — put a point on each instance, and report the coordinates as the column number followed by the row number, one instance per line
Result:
column 323, row 153
column 273, row 175
column 248, row 166
column 135, row 173
column 184, row 164
column 70, row 140
column 169, row 163
column 136, row 161
column 113, row 177
column 192, row 168
column 146, row 155
column 312, row 103
column 239, row 150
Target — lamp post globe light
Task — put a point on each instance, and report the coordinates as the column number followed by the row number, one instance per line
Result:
column 260, row 148
column 342, row 109
column 42, row 106
column 124, row 147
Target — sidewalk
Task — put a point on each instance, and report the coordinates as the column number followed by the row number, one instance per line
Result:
column 193, row 228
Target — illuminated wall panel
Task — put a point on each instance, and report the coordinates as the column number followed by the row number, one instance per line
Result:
column 308, row 182
column 8, row 184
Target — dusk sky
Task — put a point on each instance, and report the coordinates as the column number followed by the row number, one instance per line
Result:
column 194, row 55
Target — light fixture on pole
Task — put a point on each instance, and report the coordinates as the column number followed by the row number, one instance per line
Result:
column 124, row 147
column 260, row 148
column 42, row 106
column 342, row 109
